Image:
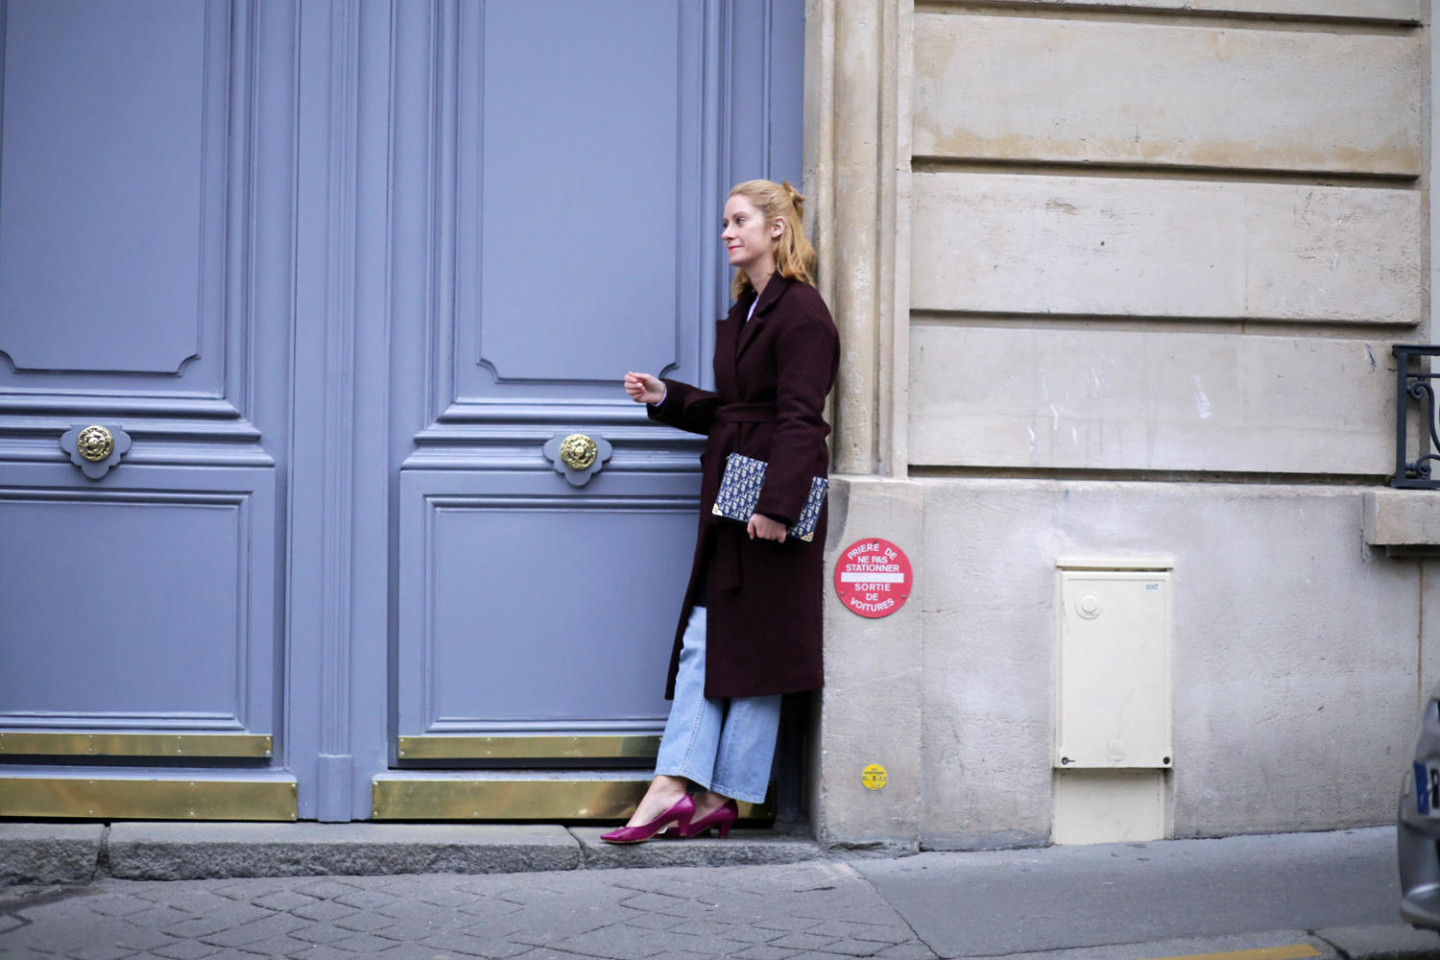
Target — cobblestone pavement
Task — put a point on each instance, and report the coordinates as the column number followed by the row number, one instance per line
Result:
column 804, row 911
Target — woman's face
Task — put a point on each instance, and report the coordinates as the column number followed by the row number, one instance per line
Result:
column 749, row 240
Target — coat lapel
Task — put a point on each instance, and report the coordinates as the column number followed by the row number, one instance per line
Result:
column 727, row 332
column 751, row 330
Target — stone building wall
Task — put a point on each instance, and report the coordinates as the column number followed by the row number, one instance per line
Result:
column 1117, row 285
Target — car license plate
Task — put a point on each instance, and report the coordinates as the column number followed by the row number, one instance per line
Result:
column 1427, row 788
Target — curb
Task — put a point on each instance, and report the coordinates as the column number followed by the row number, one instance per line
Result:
column 1389, row 942
column 1385, row 942
column 60, row 853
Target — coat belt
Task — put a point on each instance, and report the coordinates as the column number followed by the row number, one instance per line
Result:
column 747, row 413
column 725, row 573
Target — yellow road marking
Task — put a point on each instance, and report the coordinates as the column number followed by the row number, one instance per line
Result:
column 1292, row 951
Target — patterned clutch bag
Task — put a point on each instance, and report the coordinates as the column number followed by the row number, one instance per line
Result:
column 740, row 491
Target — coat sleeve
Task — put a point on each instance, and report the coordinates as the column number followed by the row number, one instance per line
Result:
column 685, row 407
column 807, row 351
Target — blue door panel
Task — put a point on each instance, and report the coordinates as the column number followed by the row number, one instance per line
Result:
column 147, row 156
column 142, row 602
column 567, row 138
column 580, row 178
column 112, row 188
column 147, row 170
column 764, row 78
column 528, row 605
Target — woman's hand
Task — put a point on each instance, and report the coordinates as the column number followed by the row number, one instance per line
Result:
column 644, row 388
column 766, row 529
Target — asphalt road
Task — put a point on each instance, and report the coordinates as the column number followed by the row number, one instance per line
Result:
column 1020, row 901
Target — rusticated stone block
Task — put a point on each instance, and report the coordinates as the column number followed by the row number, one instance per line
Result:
column 49, row 852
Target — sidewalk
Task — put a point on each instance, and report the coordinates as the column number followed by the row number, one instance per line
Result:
column 761, row 897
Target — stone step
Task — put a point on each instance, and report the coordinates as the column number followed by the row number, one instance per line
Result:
column 184, row 850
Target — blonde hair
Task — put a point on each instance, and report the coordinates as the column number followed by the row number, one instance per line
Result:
column 795, row 258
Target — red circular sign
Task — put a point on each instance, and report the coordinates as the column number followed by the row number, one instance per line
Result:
column 873, row 577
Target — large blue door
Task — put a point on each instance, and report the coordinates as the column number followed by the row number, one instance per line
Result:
column 331, row 276
column 579, row 155
column 145, row 289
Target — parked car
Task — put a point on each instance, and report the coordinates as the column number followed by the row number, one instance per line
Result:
column 1418, row 824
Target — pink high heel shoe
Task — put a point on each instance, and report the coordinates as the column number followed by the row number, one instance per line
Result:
column 723, row 818
column 677, row 816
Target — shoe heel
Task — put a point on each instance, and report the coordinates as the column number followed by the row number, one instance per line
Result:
column 724, row 829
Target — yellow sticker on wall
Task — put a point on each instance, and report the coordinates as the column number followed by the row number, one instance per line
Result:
column 873, row 777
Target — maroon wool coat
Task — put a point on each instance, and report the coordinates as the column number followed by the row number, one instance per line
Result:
column 764, row 598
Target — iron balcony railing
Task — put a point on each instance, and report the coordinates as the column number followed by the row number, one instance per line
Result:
column 1413, row 383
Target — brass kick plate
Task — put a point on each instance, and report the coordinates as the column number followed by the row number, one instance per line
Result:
column 526, row 747
column 29, row 743
column 115, row 798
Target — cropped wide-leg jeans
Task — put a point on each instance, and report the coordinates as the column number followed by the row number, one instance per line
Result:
column 727, row 745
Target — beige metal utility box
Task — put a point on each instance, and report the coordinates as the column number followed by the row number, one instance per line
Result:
column 1114, row 671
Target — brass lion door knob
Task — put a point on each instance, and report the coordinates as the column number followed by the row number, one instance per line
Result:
column 95, row 447
column 576, row 456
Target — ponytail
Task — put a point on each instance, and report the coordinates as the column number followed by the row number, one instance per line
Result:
column 795, row 258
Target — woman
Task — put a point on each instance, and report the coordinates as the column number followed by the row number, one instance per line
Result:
column 750, row 625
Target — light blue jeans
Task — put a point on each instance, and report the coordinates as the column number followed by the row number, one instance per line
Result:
column 723, row 745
